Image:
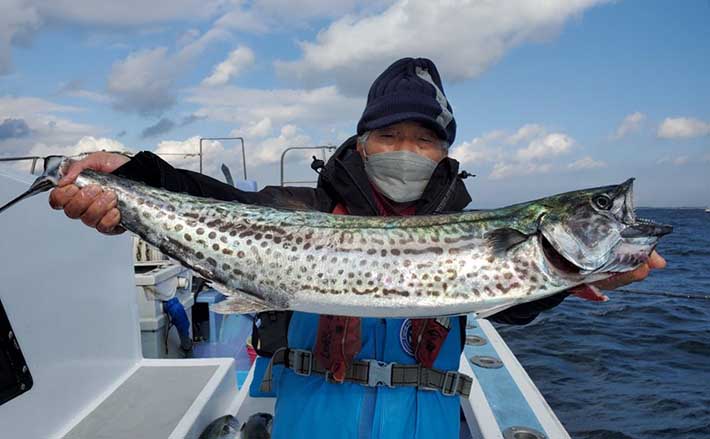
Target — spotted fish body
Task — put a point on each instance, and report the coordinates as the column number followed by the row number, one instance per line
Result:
column 477, row 261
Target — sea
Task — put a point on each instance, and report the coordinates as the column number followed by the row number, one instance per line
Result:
column 637, row 366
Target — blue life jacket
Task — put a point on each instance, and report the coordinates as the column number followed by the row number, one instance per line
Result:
column 313, row 408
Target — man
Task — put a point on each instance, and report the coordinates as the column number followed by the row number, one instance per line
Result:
column 396, row 165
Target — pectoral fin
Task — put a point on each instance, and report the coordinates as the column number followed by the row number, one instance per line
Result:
column 502, row 240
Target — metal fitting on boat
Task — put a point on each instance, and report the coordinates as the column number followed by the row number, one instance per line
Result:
column 474, row 340
column 522, row 433
column 486, row 362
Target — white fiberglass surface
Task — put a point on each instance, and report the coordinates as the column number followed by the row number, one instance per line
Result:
column 70, row 297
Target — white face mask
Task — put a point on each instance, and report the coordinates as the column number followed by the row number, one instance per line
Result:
column 401, row 176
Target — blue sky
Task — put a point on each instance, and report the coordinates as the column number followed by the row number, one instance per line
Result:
column 548, row 96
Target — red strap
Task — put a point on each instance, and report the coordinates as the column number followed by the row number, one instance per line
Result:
column 337, row 343
column 428, row 336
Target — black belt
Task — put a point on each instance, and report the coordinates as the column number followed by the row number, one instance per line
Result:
column 373, row 373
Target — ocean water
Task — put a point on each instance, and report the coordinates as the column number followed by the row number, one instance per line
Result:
column 636, row 366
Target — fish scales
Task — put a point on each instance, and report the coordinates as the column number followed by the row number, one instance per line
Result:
column 310, row 261
column 475, row 261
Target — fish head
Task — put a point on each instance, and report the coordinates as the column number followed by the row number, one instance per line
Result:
column 224, row 427
column 258, row 426
column 596, row 231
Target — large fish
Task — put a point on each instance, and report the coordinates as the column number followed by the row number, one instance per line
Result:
column 478, row 261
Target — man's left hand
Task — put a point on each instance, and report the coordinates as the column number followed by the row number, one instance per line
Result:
column 655, row 261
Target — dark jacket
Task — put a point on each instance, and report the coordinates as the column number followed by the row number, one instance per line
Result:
column 342, row 180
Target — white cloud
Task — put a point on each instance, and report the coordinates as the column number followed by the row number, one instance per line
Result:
column 262, row 16
column 45, row 121
column 323, row 107
column 308, row 9
column 630, row 124
column 144, row 80
column 553, row 144
column 238, row 60
column 486, row 148
column 26, row 106
column 258, row 129
column 678, row 161
column 526, row 151
column 84, row 145
column 683, row 127
column 182, row 153
column 244, row 20
column 526, row 132
column 19, row 19
column 586, row 163
column 504, row 170
column 269, row 150
column 352, row 48
column 127, row 12
column 76, row 89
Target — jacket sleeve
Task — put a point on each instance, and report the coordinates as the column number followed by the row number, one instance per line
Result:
column 150, row 169
column 527, row 312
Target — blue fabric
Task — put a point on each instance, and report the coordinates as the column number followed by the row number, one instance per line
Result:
column 310, row 407
column 260, row 365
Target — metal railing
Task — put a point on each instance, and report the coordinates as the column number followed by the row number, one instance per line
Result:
column 34, row 159
column 323, row 149
column 244, row 156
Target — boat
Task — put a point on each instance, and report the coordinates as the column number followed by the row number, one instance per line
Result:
column 80, row 340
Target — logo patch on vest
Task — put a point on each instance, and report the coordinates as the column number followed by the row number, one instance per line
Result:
column 405, row 337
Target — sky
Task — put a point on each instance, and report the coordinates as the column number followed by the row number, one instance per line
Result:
column 549, row 96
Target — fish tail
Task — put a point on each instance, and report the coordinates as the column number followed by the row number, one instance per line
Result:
column 50, row 178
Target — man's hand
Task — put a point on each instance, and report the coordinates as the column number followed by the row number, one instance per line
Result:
column 95, row 207
column 655, row 261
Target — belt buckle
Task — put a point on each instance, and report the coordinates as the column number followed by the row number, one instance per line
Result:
column 379, row 373
column 299, row 357
column 454, row 378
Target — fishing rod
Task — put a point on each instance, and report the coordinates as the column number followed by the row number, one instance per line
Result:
column 693, row 296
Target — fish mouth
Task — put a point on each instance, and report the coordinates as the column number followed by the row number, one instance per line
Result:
column 637, row 227
column 556, row 259
column 646, row 228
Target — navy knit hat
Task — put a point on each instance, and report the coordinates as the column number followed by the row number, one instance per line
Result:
column 410, row 89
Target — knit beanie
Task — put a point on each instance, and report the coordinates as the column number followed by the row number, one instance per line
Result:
column 410, row 89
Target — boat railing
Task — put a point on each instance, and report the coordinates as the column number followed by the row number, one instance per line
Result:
column 244, row 156
column 324, row 150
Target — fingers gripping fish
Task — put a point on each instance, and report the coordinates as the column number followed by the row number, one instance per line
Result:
column 476, row 261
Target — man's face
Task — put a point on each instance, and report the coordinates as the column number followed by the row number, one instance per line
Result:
column 405, row 136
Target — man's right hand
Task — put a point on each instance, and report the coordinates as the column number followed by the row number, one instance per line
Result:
column 95, row 207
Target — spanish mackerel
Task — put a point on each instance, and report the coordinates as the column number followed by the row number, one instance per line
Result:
column 476, row 261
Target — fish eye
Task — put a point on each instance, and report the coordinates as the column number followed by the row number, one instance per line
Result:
column 603, row 202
